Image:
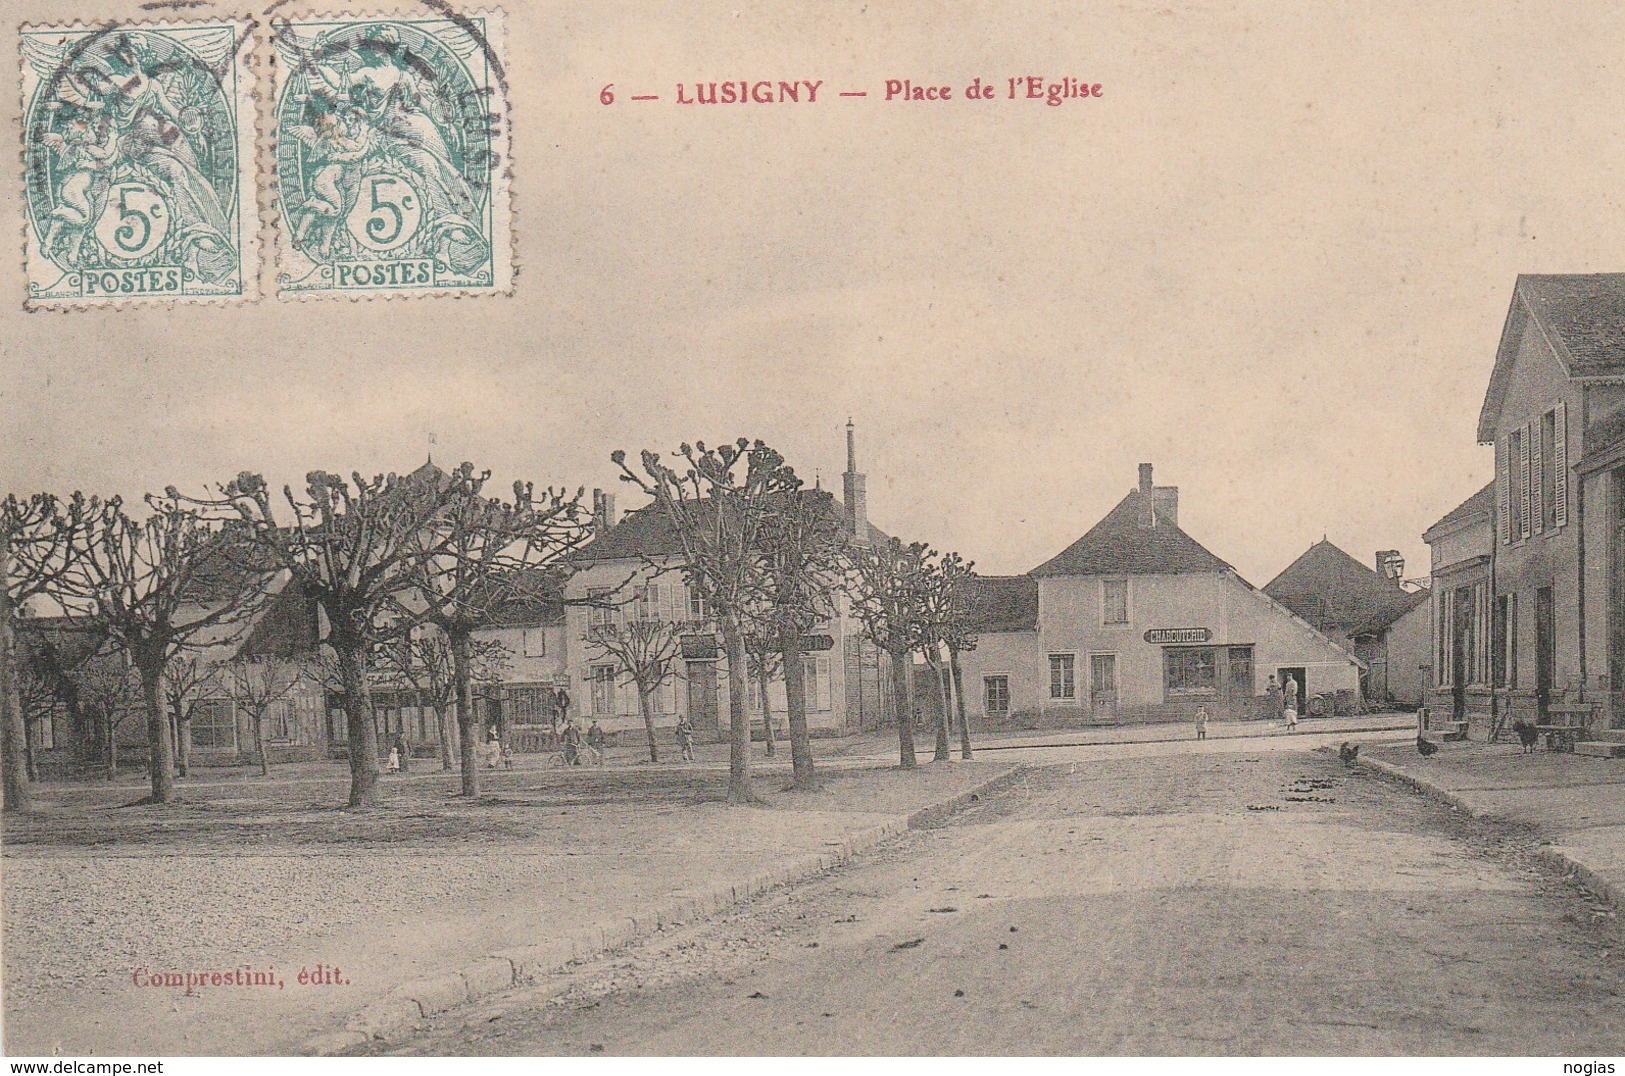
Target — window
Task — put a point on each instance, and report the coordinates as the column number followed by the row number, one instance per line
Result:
column 996, row 695
column 283, row 720
column 599, row 612
column 816, row 684
column 45, row 732
column 1517, row 467
column 648, row 601
column 1062, row 684
column 1114, row 601
column 214, row 724
column 1241, row 672
column 534, row 642
column 603, row 690
column 1189, row 670
column 1548, row 470
column 532, row 704
column 696, row 605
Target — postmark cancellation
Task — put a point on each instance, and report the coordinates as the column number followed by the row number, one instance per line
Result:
column 138, row 161
column 390, row 144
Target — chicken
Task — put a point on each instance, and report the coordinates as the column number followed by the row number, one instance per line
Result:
column 1425, row 746
column 1348, row 752
column 1528, row 735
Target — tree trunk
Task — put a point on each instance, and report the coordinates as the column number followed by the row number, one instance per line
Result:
column 160, row 751
column 468, row 729
column 357, row 698
column 30, row 765
column 112, row 746
column 767, row 708
column 933, row 662
column 802, row 776
column 959, row 702
column 739, row 790
column 646, row 704
column 259, row 744
column 444, row 728
column 183, row 743
column 13, row 736
column 903, row 698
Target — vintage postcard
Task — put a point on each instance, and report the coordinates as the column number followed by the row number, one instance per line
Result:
column 905, row 530
column 138, row 162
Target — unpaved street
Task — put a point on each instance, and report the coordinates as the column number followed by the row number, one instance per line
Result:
column 1209, row 903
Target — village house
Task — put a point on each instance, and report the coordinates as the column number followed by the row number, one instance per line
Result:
column 1137, row 621
column 1554, row 608
column 1369, row 611
column 1461, row 666
column 632, row 570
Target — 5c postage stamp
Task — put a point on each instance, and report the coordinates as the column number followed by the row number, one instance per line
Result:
column 138, row 157
column 391, row 145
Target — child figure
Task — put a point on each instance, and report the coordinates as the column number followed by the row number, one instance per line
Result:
column 1201, row 722
column 1292, row 719
column 394, row 763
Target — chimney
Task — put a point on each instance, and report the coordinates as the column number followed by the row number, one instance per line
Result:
column 853, row 487
column 603, row 511
column 1159, row 504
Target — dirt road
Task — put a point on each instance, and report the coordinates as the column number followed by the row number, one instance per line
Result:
column 1234, row 903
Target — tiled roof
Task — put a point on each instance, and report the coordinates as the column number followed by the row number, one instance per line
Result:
column 1479, row 504
column 1123, row 544
column 1338, row 595
column 1004, row 603
column 1581, row 315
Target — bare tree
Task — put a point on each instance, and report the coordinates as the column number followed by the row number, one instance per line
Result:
column 484, row 553
column 422, row 665
column 930, row 639
column 716, row 505
column 184, row 681
column 158, row 587
column 40, row 540
column 765, row 666
column 886, row 596
column 354, row 547
column 256, row 684
column 107, row 690
column 644, row 648
column 803, row 553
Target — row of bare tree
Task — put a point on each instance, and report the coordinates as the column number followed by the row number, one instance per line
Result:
column 386, row 557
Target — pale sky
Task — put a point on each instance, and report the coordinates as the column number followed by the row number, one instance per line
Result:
column 1273, row 259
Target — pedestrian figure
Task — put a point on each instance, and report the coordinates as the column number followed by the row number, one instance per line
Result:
column 394, row 763
column 595, row 742
column 1289, row 693
column 405, row 753
column 572, row 743
column 493, row 748
column 1272, row 691
column 685, row 737
column 1201, row 722
column 1292, row 719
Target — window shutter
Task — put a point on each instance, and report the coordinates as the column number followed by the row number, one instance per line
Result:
column 1503, row 485
column 1523, row 473
column 1560, row 465
column 1537, row 484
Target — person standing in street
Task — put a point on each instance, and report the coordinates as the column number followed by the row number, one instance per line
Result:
column 685, row 737
column 1201, row 722
column 596, row 741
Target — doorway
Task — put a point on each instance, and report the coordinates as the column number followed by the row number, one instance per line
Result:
column 1103, row 687
column 1545, row 650
column 702, row 695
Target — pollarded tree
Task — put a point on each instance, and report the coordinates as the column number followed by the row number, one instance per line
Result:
column 355, row 548
column 485, row 553
column 644, row 648
column 184, row 683
column 40, row 540
column 958, row 630
column 803, row 554
column 107, row 691
column 422, row 665
column 886, row 590
column 158, row 587
column 716, row 501
column 929, row 631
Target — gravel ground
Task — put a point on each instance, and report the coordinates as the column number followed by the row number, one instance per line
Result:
column 1204, row 904
column 421, row 884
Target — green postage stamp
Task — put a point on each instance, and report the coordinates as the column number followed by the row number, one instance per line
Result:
column 138, row 157
column 391, row 146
